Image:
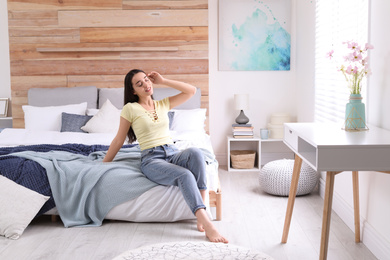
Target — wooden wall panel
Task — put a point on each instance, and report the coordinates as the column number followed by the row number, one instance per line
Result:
column 128, row 18
column 63, row 4
column 61, row 51
column 185, row 4
column 133, row 34
column 43, row 32
column 24, row 83
column 30, row 14
column 82, row 43
column 107, row 67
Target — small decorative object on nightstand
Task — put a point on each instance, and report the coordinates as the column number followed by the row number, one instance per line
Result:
column 275, row 126
column 241, row 102
column 264, row 133
column 242, row 130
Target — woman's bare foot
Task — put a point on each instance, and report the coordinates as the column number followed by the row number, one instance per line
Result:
column 213, row 235
column 200, row 226
column 204, row 225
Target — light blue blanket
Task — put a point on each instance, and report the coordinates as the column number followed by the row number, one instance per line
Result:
column 85, row 189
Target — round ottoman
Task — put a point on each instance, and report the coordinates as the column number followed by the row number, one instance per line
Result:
column 275, row 178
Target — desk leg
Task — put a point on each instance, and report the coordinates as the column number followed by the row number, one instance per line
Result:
column 355, row 182
column 329, row 186
column 291, row 197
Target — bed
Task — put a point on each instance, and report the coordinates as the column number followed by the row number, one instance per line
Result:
column 53, row 165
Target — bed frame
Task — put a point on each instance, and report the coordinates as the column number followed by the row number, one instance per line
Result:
column 95, row 98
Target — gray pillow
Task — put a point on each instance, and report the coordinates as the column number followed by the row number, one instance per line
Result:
column 73, row 122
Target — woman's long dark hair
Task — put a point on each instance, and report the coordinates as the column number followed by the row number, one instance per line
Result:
column 129, row 96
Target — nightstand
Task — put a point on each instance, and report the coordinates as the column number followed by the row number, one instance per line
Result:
column 244, row 144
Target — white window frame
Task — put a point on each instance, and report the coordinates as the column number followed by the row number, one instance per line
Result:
column 337, row 21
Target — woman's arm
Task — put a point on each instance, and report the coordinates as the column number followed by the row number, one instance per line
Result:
column 187, row 90
column 118, row 140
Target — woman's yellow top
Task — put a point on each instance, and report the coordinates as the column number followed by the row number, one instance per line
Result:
column 150, row 127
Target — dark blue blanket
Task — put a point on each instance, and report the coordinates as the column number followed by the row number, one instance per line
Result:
column 31, row 174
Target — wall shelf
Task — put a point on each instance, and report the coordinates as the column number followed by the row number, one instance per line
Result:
column 108, row 49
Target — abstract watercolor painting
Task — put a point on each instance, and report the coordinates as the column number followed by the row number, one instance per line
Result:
column 254, row 35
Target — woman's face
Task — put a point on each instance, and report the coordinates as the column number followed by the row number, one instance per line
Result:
column 142, row 85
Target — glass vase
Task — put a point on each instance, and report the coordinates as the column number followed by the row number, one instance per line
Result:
column 355, row 113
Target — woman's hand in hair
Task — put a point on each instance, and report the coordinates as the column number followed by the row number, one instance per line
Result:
column 156, row 78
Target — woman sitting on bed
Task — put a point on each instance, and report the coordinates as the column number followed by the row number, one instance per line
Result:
column 147, row 120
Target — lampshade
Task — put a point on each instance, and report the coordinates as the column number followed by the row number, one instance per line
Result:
column 241, row 101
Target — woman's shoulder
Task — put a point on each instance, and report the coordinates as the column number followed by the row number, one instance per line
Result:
column 163, row 102
column 130, row 105
column 130, row 108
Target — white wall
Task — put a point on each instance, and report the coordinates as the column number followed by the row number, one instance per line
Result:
column 379, row 106
column 305, row 46
column 270, row 91
column 5, row 85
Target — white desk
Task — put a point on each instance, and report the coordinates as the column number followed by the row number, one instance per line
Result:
column 326, row 147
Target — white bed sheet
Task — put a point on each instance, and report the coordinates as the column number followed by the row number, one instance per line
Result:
column 159, row 204
column 20, row 136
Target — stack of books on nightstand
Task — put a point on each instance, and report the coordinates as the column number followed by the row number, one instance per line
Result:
column 242, row 130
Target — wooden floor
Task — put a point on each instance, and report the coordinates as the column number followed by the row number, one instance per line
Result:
column 250, row 218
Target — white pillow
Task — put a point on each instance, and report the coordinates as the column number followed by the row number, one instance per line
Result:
column 189, row 120
column 18, row 206
column 49, row 118
column 92, row 111
column 105, row 121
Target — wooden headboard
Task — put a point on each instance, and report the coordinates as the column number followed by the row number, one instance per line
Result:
column 95, row 43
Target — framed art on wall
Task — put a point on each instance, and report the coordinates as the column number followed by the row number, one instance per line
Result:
column 254, row 35
column 3, row 107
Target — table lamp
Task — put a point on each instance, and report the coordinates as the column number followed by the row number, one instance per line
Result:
column 241, row 102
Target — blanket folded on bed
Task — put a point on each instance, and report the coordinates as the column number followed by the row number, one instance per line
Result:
column 86, row 189
column 31, row 174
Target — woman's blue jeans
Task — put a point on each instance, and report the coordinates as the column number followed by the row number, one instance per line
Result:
column 166, row 165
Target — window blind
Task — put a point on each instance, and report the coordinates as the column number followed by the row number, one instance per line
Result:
column 337, row 21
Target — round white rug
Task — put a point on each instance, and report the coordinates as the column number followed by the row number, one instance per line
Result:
column 192, row 250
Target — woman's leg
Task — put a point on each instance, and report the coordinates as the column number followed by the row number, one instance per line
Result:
column 156, row 168
column 193, row 160
column 160, row 171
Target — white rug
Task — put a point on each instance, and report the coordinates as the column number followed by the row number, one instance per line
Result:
column 192, row 250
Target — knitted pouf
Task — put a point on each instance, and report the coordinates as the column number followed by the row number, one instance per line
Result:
column 275, row 178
